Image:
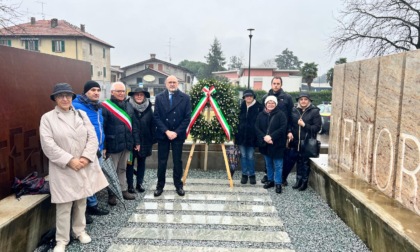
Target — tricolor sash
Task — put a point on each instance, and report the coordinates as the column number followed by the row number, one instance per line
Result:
column 118, row 112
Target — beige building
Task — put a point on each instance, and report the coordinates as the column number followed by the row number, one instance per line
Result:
column 60, row 38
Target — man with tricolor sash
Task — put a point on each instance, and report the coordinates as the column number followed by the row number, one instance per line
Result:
column 172, row 115
column 121, row 127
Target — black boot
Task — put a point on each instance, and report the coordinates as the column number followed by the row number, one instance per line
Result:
column 304, row 186
column 278, row 188
column 140, row 188
column 298, row 184
column 131, row 189
column 268, row 184
column 244, row 179
column 264, row 179
column 252, row 180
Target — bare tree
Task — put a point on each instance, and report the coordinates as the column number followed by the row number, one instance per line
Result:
column 377, row 27
column 9, row 15
column 268, row 63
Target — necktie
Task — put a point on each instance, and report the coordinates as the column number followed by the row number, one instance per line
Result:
column 170, row 100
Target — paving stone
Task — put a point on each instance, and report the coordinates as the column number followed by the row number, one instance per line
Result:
column 151, row 248
column 171, row 195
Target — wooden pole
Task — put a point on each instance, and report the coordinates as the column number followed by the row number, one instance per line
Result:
column 187, row 168
column 227, row 165
column 206, row 155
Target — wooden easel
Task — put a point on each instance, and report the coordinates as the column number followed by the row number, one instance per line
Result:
column 206, row 151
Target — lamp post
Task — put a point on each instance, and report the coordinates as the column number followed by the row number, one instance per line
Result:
column 249, row 63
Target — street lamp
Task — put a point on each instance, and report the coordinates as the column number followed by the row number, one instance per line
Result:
column 249, row 63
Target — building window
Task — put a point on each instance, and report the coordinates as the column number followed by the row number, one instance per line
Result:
column 188, row 79
column 31, row 45
column 90, row 48
column 103, row 53
column 160, row 67
column 150, row 66
column 104, row 72
column 161, row 80
column 257, row 85
column 58, row 46
column 5, row 42
column 139, row 80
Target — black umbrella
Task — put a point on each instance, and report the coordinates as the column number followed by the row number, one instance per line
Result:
column 111, row 175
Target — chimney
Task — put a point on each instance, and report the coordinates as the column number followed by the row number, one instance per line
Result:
column 82, row 27
column 33, row 20
column 153, row 55
column 54, row 23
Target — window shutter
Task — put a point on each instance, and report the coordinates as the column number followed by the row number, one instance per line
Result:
column 26, row 44
column 62, row 46
column 36, row 45
column 9, row 42
column 53, row 45
column 104, row 72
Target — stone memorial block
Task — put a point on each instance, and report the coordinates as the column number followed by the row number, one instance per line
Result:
column 348, row 122
column 407, row 183
column 387, row 122
column 366, row 118
column 337, row 104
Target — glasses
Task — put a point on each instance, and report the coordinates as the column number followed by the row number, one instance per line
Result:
column 119, row 91
column 68, row 96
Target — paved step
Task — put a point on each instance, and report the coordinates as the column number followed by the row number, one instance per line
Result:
column 206, row 220
column 204, row 235
column 206, row 207
column 214, row 182
column 151, row 248
column 171, row 195
column 219, row 188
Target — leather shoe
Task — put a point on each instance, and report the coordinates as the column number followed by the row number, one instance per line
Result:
column 112, row 200
column 252, row 180
column 264, row 179
column 180, row 191
column 95, row 210
column 303, row 187
column 89, row 219
column 278, row 188
column 268, row 184
column 158, row 192
column 131, row 190
column 128, row 196
column 297, row 184
column 140, row 188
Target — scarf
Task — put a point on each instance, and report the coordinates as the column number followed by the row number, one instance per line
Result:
column 139, row 107
column 84, row 99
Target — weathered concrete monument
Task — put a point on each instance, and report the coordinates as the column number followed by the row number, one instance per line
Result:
column 374, row 147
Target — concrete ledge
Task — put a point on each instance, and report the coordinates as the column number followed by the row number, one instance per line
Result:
column 381, row 222
column 22, row 222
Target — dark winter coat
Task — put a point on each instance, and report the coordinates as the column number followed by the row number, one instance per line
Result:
column 175, row 118
column 312, row 120
column 246, row 129
column 277, row 129
column 147, row 127
column 285, row 102
column 118, row 136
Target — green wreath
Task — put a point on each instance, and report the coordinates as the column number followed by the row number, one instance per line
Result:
column 212, row 132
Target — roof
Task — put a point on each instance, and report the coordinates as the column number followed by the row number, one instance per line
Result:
column 43, row 28
column 145, row 70
column 156, row 60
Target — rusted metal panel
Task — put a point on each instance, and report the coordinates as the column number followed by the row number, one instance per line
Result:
column 26, row 82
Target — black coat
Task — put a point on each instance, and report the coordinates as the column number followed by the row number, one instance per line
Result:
column 312, row 120
column 175, row 118
column 147, row 128
column 285, row 103
column 277, row 129
column 246, row 129
column 118, row 136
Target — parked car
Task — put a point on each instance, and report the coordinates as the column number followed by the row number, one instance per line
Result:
column 325, row 112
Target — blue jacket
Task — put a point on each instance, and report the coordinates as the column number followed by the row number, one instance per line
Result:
column 175, row 118
column 95, row 117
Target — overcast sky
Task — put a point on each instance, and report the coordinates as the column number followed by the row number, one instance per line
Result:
column 137, row 28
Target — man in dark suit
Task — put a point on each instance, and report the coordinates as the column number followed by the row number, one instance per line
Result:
column 172, row 115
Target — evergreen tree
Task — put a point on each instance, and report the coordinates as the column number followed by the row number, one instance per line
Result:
column 309, row 73
column 215, row 59
column 286, row 60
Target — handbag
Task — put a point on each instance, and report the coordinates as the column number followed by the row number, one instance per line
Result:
column 311, row 147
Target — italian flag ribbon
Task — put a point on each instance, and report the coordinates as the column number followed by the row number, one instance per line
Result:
column 118, row 112
column 217, row 111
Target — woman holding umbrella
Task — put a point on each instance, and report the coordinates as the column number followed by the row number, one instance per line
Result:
column 69, row 141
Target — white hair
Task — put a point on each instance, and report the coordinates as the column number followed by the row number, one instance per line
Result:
column 115, row 84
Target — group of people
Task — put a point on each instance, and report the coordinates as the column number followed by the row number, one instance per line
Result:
column 80, row 132
column 278, row 129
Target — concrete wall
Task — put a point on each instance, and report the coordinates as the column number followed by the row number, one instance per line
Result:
column 375, row 124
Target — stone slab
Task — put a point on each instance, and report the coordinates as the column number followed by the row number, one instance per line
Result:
column 151, row 248
column 222, row 189
column 204, row 235
column 206, row 220
column 236, row 183
column 171, row 195
column 207, row 207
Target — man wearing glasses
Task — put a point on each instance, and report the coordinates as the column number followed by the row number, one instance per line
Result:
column 120, row 125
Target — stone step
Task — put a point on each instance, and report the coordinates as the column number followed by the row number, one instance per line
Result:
column 151, row 248
column 204, row 235
column 206, row 220
column 206, row 207
column 190, row 181
column 171, row 195
column 220, row 188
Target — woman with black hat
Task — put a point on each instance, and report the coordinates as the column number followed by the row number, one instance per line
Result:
column 69, row 141
column 306, row 122
column 246, row 137
column 139, row 99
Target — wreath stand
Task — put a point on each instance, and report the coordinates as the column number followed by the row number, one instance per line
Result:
column 206, row 150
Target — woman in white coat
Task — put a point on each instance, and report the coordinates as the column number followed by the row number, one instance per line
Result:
column 69, row 141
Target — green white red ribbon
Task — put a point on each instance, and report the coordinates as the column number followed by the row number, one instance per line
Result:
column 217, row 111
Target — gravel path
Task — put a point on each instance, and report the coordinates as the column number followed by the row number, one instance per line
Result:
column 310, row 223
